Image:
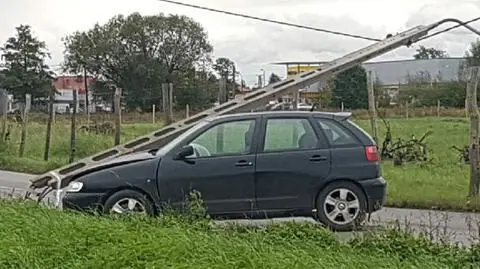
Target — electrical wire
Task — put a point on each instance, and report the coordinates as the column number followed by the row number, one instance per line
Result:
column 450, row 28
column 272, row 21
column 310, row 27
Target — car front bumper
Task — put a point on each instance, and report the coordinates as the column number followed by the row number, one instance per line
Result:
column 376, row 191
column 82, row 201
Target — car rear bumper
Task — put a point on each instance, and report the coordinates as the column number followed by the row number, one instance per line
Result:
column 376, row 191
column 82, row 201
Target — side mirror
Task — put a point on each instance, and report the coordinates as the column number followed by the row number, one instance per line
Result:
column 184, row 152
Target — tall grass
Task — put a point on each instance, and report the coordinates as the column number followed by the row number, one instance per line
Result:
column 71, row 240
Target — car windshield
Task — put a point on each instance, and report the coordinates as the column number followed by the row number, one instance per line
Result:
column 163, row 150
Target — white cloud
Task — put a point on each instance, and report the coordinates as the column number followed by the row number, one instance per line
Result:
column 252, row 44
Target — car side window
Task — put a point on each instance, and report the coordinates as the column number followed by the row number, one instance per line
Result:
column 289, row 134
column 229, row 138
column 336, row 134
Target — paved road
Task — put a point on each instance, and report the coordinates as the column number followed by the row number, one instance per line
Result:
column 451, row 227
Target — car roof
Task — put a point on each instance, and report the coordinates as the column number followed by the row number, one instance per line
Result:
column 317, row 114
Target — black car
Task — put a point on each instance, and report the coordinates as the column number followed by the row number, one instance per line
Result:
column 258, row 165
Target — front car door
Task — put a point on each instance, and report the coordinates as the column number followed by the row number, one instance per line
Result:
column 222, row 168
column 292, row 161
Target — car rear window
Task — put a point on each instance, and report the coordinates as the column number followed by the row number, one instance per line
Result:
column 337, row 135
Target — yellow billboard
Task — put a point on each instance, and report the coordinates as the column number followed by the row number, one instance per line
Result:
column 293, row 70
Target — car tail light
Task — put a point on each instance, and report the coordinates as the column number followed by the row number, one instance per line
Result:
column 371, row 153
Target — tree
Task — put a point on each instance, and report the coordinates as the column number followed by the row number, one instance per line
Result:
column 427, row 91
column 138, row 53
column 25, row 70
column 350, row 87
column 473, row 55
column 224, row 67
column 429, row 53
column 274, row 78
column 197, row 91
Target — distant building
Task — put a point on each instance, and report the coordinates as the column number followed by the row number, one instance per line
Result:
column 64, row 86
column 393, row 75
column 6, row 102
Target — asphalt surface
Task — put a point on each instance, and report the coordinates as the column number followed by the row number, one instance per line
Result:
column 450, row 227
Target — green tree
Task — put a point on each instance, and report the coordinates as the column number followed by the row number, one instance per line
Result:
column 473, row 54
column 274, row 78
column 138, row 53
column 199, row 90
column 382, row 96
column 429, row 53
column 427, row 91
column 25, row 70
column 224, row 67
column 350, row 87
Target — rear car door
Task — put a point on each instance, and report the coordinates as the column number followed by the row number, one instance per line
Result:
column 347, row 150
column 222, row 170
column 292, row 161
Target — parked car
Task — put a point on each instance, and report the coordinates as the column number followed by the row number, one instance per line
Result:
column 258, row 165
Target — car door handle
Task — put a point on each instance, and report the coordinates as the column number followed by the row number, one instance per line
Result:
column 243, row 163
column 318, row 158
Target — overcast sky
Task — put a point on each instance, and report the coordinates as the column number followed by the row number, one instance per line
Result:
column 255, row 45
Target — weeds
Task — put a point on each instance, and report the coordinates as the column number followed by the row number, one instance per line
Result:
column 88, row 241
column 403, row 151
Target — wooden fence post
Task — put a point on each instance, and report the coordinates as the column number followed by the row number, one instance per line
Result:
column 438, row 109
column 170, row 104
column 164, row 97
column 28, row 103
column 371, row 105
column 406, row 109
column 73, row 127
column 51, row 114
column 167, row 97
column 474, row 114
column 118, row 114
column 3, row 112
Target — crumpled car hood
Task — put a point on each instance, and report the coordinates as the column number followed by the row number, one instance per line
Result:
column 125, row 159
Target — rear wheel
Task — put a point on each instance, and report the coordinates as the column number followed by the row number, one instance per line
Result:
column 341, row 206
column 127, row 202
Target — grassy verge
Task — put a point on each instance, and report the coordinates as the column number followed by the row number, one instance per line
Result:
column 68, row 240
column 442, row 184
column 86, row 145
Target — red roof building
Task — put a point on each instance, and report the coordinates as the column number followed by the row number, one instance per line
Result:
column 72, row 82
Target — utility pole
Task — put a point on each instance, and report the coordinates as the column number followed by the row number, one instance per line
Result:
column 264, row 82
column 222, row 91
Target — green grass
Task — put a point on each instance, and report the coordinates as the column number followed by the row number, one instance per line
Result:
column 86, row 144
column 67, row 240
column 443, row 184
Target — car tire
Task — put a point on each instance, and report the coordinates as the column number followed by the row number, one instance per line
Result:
column 341, row 206
column 128, row 202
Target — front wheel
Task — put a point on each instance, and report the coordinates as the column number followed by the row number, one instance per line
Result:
column 128, row 202
column 341, row 206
